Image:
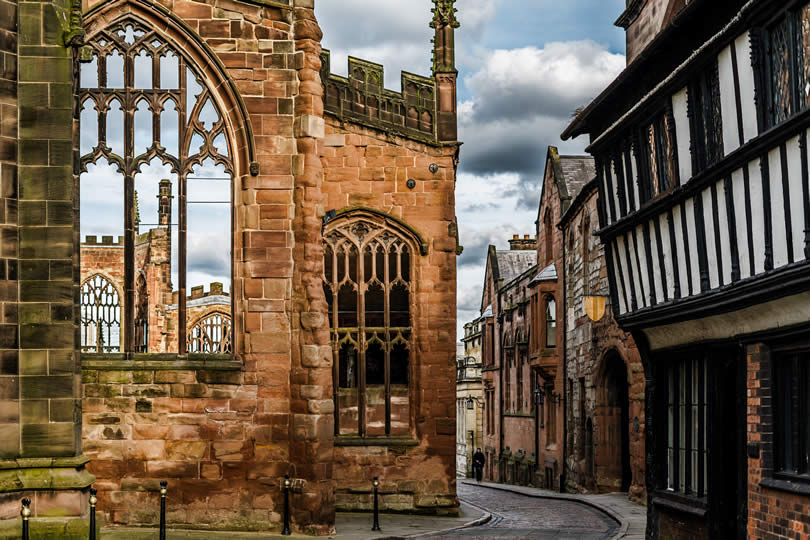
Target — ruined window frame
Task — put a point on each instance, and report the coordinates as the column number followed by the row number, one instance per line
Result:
column 129, row 37
column 98, row 299
column 351, row 235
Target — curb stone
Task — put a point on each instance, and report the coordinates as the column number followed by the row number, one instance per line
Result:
column 485, row 518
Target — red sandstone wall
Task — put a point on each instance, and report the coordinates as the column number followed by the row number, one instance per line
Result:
column 364, row 167
column 227, row 437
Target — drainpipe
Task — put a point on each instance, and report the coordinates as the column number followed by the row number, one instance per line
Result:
column 564, row 368
column 496, row 326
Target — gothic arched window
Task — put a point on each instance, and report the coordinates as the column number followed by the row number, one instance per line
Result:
column 155, row 183
column 211, row 334
column 369, row 289
column 100, row 316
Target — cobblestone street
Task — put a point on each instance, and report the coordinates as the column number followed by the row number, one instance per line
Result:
column 519, row 516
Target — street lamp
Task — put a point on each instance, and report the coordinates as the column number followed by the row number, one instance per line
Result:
column 472, row 401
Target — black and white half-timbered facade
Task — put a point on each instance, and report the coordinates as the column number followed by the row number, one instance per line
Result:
column 701, row 147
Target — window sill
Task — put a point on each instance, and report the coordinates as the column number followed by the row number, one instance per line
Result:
column 799, row 486
column 356, row 440
column 145, row 361
column 680, row 503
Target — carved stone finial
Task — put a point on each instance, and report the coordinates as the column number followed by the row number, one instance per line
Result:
column 444, row 13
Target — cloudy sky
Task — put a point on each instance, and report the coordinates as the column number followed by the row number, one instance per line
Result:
column 524, row 67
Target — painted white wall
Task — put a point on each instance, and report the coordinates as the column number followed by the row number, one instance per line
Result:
column 642, row 257
column 722, row 222
column 621, row 257
column 741, row 216
column 796, row 203
column 693, row 251
column 683, row 272
column 637, row 278
column 728, row 102
column 657, row 277
column 746, row 74
column 666, row 249
column 711, row 246
column 679, row 112
column 780, row 255
column 757, row 215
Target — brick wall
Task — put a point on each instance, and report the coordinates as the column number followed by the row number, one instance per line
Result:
column 364, row 167
column 772, row 513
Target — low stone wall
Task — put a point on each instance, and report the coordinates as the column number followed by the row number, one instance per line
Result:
column 411, row 480
column 196, row 428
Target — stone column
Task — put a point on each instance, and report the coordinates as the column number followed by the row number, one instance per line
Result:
column 40, row 433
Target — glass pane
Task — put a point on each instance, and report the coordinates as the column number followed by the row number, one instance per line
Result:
column 169, row 119
column 115, row 128
column 781, row 102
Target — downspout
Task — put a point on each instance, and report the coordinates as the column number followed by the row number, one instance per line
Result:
column 564, row 367
column 500, row 376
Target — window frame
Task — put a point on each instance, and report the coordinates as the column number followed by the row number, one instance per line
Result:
column 549, row 299
column 129, row 96
column 705, row 122
column 380, row 225
column 799, row 409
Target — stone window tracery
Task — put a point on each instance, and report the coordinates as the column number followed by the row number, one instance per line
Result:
column 156, row 170
column 211, row 334
column 369, row 291
column 100, row 316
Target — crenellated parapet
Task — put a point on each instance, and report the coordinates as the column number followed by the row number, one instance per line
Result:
column 362, row 98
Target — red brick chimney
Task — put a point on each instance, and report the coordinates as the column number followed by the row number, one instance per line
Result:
column 526, row 243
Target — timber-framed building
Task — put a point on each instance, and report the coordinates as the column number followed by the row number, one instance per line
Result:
column 702, row 165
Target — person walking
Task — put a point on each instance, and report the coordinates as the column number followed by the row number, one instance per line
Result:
column 478, row 461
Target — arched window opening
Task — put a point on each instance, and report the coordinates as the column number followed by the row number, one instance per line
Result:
column 551, row 322
column 155, row 190
column 367, row 280
column 100, row 316
column 211, row 334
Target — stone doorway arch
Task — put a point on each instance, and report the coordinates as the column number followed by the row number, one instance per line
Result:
column 612, row 439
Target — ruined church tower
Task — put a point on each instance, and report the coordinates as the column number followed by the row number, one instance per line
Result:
column 221, row 392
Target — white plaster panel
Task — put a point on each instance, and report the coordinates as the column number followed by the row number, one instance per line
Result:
column 728, row 102
column 693, row 250
column 680, row 256
column 636, row 195
column 711, row 246
column 616, row 196
column 722, row 222
column 741, row 217
column 620, row 257
column 657, row 278
column 638, row 233
column 757, row 215
column 617, row 263
column 746, row 75
column 679, row 113
column 794, row 159
column 607, row 194
column 666, row 249
column 779, row 238
column 640, row 300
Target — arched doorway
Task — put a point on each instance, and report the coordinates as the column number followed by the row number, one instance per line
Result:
column 613, row 446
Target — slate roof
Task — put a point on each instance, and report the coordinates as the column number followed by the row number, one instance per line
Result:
column 514, row 262
column 549, row 273
column 577, row 171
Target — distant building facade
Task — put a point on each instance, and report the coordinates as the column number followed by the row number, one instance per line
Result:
column 605, row 377
column 702, row 166
column 469, row 399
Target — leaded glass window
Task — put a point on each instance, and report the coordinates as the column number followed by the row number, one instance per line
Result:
column 369, row 291
column 788, row 65
column 155, row 185
column 706, row 114
column 686, row 448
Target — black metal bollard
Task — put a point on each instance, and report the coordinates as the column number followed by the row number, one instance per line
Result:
column 376, row 525
column 286, row 530
column 163, row 486
column 25, row 513
column 93, row 501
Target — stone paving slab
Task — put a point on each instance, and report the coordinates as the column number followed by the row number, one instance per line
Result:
column 350, row 526
column 631, row 516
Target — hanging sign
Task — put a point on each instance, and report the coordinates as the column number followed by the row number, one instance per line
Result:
column 595, row 307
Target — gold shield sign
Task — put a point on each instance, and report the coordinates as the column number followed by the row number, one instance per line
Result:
column 595, row 307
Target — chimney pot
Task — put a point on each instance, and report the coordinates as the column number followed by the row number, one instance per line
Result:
column 515, row 236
